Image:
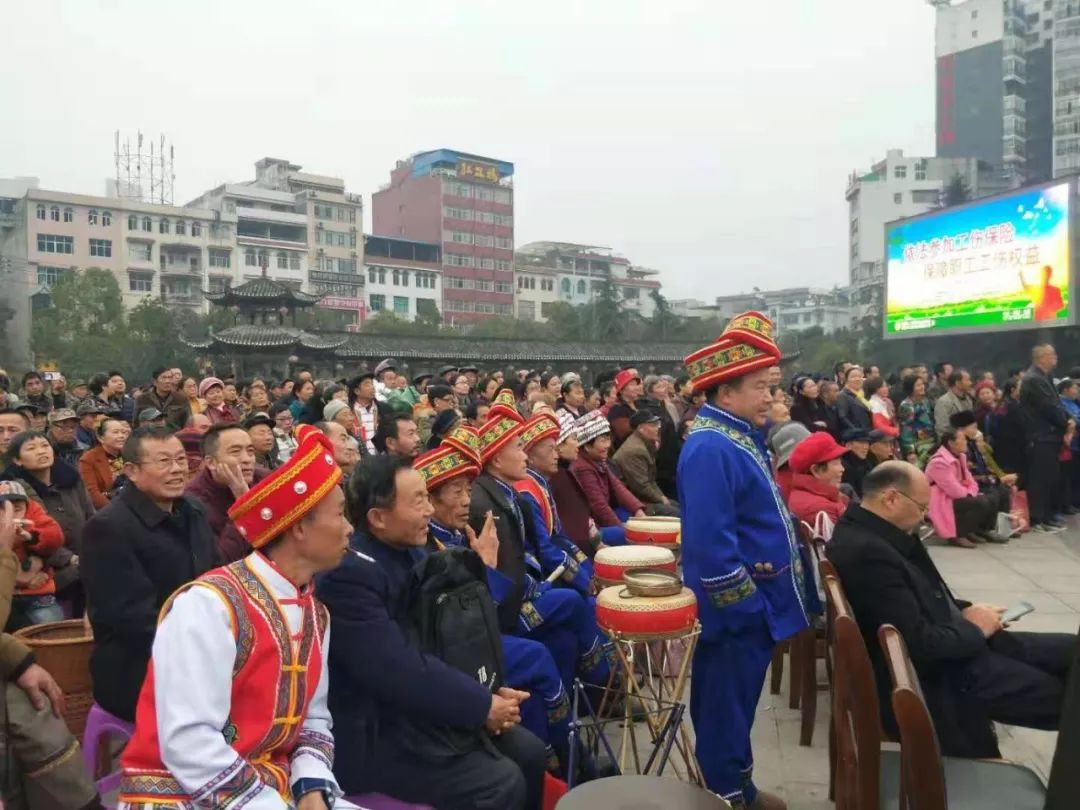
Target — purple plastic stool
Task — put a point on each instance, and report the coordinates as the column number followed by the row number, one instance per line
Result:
column 377, row 801
column 99, row 725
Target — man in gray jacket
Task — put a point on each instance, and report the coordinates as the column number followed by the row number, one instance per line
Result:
column 957, row 398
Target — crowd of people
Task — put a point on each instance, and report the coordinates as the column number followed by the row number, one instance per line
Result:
column 195, row 520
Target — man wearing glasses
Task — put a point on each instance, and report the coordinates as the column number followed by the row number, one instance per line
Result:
column 972, row 670
column 146, row 543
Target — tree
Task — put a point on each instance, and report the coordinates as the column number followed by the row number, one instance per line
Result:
column 427, row 314
column 82, row 331
column 385, row 322
column 664, row 322
column 605, row 314
column 509, row 328
column 956, row 192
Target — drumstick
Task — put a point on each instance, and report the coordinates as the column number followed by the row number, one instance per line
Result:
column 558, row 572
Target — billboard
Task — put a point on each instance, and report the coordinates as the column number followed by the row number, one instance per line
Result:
column 1000, row 263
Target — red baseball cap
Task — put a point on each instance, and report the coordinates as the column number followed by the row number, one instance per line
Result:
column 817, row 448
column 624, row 377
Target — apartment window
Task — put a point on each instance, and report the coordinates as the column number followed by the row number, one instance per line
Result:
column 347, row 266
column 106, row 217
column 249, row 257
column 139, row 252
column 377, row 302
column 404, row 278
column 219, row 258
column 54, row 213
column 41, row 212
column 140, row 283
column 282, row 261
column 50, row 243
column 504, row 243
column 133, row 223
column 69, row 215
column 632, row 293
column 899, row 171
column 181, row 227
column 974, row 13
column 565, row 285
column 1048, row 24
column 196, row 229
column 483, row 240
column 527, row 310
column 483, row 285
column 453, row 212
column 459, row 189
column 47, row 276
column 218, row 284
column 101, row 247
column 504, row 309
column 504, row 219
column 425, row 280
column 458, row 283
column 92, row 216
column 898, row 198
column 485, row 264
column 459, row 260
column 401, row 305
column 485, row 194
column 502, row 196
column 581, row 288
column 264, row 258
column 397, row 278
column 148, row 225
column 461, row 238
column 505, row 286
column 163, row 226
column 547, row 284
column 925, row 196
column 485, row 216
column 502, row 264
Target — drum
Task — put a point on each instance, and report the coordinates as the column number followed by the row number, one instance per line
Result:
column 636, row 792
column 611, row 562
column 653, row 531
column 645, row 618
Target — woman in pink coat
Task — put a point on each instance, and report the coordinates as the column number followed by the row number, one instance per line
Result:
column 957, row 510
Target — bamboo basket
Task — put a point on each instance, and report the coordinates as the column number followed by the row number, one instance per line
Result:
column 63, row 648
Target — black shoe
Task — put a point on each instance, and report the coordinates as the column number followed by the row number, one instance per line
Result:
column 1047, row 528
column 1071, row 510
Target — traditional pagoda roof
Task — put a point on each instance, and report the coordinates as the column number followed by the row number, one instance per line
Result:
column 263, row 292
column 266, row 337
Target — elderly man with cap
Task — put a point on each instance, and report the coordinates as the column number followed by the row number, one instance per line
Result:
column 636, row 461
column 857, row 461
column 233, row 711
column 448, row 471
column 151, row 416
column 555, row 551
column 446, row 375
column 740, row 553
column 415, row 392
column 385, row 374
column 63, row 423
column 472, row 374
column 533, row 608
column 816, row 473
column 260, row 428
column 90, row 415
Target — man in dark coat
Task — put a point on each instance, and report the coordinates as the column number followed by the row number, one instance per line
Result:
column 164, row 397
column 386, row 696
column 972, row 670
column 1045, row 423
column 146, row 543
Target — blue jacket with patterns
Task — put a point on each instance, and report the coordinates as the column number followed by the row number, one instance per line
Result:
column 740, row 554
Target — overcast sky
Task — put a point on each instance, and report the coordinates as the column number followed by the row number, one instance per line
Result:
column 709, row 139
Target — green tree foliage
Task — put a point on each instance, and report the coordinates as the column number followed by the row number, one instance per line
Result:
column 956, row 192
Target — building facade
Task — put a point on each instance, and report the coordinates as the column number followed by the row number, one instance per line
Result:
column 791, row 309
column 465, row 204
column 563, row 271
column 402, row 277
column 894, row 188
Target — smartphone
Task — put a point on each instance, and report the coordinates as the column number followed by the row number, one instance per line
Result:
column 1016, row 611
column 49, row 376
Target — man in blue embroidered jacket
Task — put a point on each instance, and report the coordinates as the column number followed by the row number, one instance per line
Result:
column 448, row 473
column 385, row 692
column 739, row 553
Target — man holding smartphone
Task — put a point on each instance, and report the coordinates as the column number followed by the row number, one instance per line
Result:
column 972, row 670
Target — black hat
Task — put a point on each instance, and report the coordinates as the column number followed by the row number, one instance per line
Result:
column 438, row 391
column 446, row 370
column 31, row 407
column 961, row 419
column 259, row 418
column 644, row 416
column 879, row 436
column 423, row 375
column 855, row 435
column 473, row 369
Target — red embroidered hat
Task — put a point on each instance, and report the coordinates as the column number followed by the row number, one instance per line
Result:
column 745, row 345
column 541, row 426
column 291, row 491
column 623, row 377
column 464, row 438
column 504, row 424
column 443, row 464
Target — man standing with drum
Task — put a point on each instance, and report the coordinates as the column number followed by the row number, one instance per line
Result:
column 739, row 551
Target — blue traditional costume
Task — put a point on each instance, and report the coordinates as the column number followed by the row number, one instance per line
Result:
column 529, row 665
column 740, row 556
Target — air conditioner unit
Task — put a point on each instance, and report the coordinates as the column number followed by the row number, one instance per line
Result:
column 355, row 254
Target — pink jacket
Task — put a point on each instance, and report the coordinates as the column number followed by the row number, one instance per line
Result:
column 950, row 479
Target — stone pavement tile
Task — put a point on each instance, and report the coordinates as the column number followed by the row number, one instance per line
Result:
column 1059, row 583
column 1008, row 580
column 1043, row 602
column 1047, row 623
column 1070, row 599
column 967, row 559
column 1028, row 746
column 1048, row 566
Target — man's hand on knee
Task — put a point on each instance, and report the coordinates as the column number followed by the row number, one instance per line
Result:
column 41, row 688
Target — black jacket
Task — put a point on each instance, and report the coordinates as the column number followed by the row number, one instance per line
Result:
column 889, row 578
column 134, row 557
column 853, row 412
column 855, row 470
column 66, row 499
column 487, row 496
column 1043, row 415
column 667, row 455
column 808, row 412
column 377, row 675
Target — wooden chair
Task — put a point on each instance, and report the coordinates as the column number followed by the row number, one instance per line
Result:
column 863, row 774
column 805, row 650
column 925, row 774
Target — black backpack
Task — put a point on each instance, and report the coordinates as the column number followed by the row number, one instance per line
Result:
column 454, row 616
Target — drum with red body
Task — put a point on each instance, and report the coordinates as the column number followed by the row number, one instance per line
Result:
column 646, row 618
column 653, row 531
column 611, row 562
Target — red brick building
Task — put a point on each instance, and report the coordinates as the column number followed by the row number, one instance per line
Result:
column 465, row 203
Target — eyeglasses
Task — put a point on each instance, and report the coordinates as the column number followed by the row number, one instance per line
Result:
column 164, row 463
column 923, row 508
